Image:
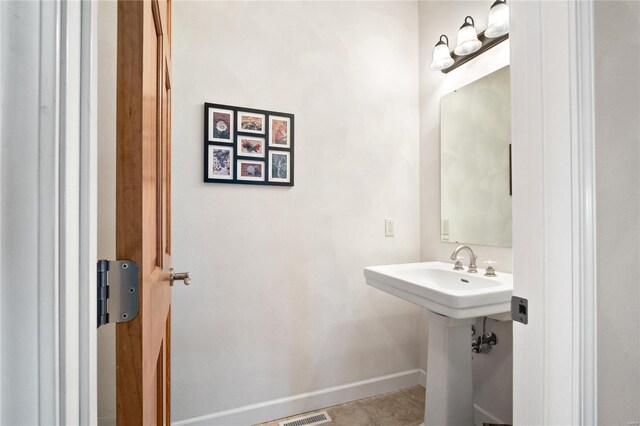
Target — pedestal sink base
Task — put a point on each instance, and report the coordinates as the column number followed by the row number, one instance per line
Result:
column 449, row 387
column 454, row 299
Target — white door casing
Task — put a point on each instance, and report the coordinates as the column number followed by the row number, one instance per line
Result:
column 553, row 212
column 48, row 220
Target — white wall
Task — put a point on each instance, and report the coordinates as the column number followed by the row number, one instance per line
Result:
column 492, row 372
column 278, row 304
column 617, row 111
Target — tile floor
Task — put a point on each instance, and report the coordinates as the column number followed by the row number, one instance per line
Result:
column 401, row 408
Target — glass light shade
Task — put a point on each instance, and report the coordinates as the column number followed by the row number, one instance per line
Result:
column 441, row 58
column 498, row 22
column 467, row 40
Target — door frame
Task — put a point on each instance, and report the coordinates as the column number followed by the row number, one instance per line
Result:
column 553, row 156
column 49, row 182
column 554, row 214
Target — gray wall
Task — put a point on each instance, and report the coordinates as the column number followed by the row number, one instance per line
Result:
column 617, row 112
column 492, row 373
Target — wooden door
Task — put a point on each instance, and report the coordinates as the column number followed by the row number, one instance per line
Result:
column 143, row 213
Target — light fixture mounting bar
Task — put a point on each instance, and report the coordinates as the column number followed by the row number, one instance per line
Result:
column 487, row 43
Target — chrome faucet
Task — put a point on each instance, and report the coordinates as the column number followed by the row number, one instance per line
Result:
column 472, row 257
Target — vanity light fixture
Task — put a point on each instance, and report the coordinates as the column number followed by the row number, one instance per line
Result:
column 498, row 22
column 467, row 38
column 471, row 44
column 441, row 58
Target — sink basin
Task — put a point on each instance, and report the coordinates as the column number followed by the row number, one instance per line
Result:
column 440, row 289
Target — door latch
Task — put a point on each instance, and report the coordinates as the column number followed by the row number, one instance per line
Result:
column 520, row 309
column 117, row 291
column 179, row 276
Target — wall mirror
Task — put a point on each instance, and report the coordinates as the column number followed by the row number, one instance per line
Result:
column 475, row 164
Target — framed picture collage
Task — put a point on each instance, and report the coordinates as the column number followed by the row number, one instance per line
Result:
column 248, row 146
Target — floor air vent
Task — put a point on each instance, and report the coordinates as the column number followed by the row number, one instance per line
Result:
column 317, row 418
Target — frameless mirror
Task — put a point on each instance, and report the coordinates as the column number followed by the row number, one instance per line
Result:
column 475, row 173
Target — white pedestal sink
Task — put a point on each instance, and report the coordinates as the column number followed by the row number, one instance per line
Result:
column 453, row 300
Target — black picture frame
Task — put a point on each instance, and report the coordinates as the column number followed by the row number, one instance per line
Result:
column 232, row 146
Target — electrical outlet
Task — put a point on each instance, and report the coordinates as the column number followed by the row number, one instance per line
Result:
column 389, row 230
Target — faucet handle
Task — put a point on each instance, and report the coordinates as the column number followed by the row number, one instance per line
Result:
column 490, row 271
column 458, row 265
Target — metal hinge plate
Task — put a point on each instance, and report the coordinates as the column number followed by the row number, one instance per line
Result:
column 117, row 291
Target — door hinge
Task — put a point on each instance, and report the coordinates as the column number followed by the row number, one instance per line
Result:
column 520, row 309
column 117, row 291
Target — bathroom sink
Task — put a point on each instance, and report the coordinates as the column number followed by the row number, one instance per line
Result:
column 440, row 289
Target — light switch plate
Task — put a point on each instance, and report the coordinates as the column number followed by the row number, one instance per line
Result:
column 445, row 227
column 389, row 230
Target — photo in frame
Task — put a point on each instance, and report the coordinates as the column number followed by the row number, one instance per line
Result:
column 279, row 166
column 220, row 125
column 250, row 122
column 279, row 130
column 251, row 170
column 220, row 162
column 248, row 146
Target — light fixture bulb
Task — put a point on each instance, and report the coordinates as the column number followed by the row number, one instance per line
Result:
column 467, row 38
column 498, row 21
column 441, row 58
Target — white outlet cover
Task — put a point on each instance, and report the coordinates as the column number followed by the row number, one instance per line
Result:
column 389, row 230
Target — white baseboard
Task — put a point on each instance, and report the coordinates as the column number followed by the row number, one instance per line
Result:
column 481, row 416
column 284, row 407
